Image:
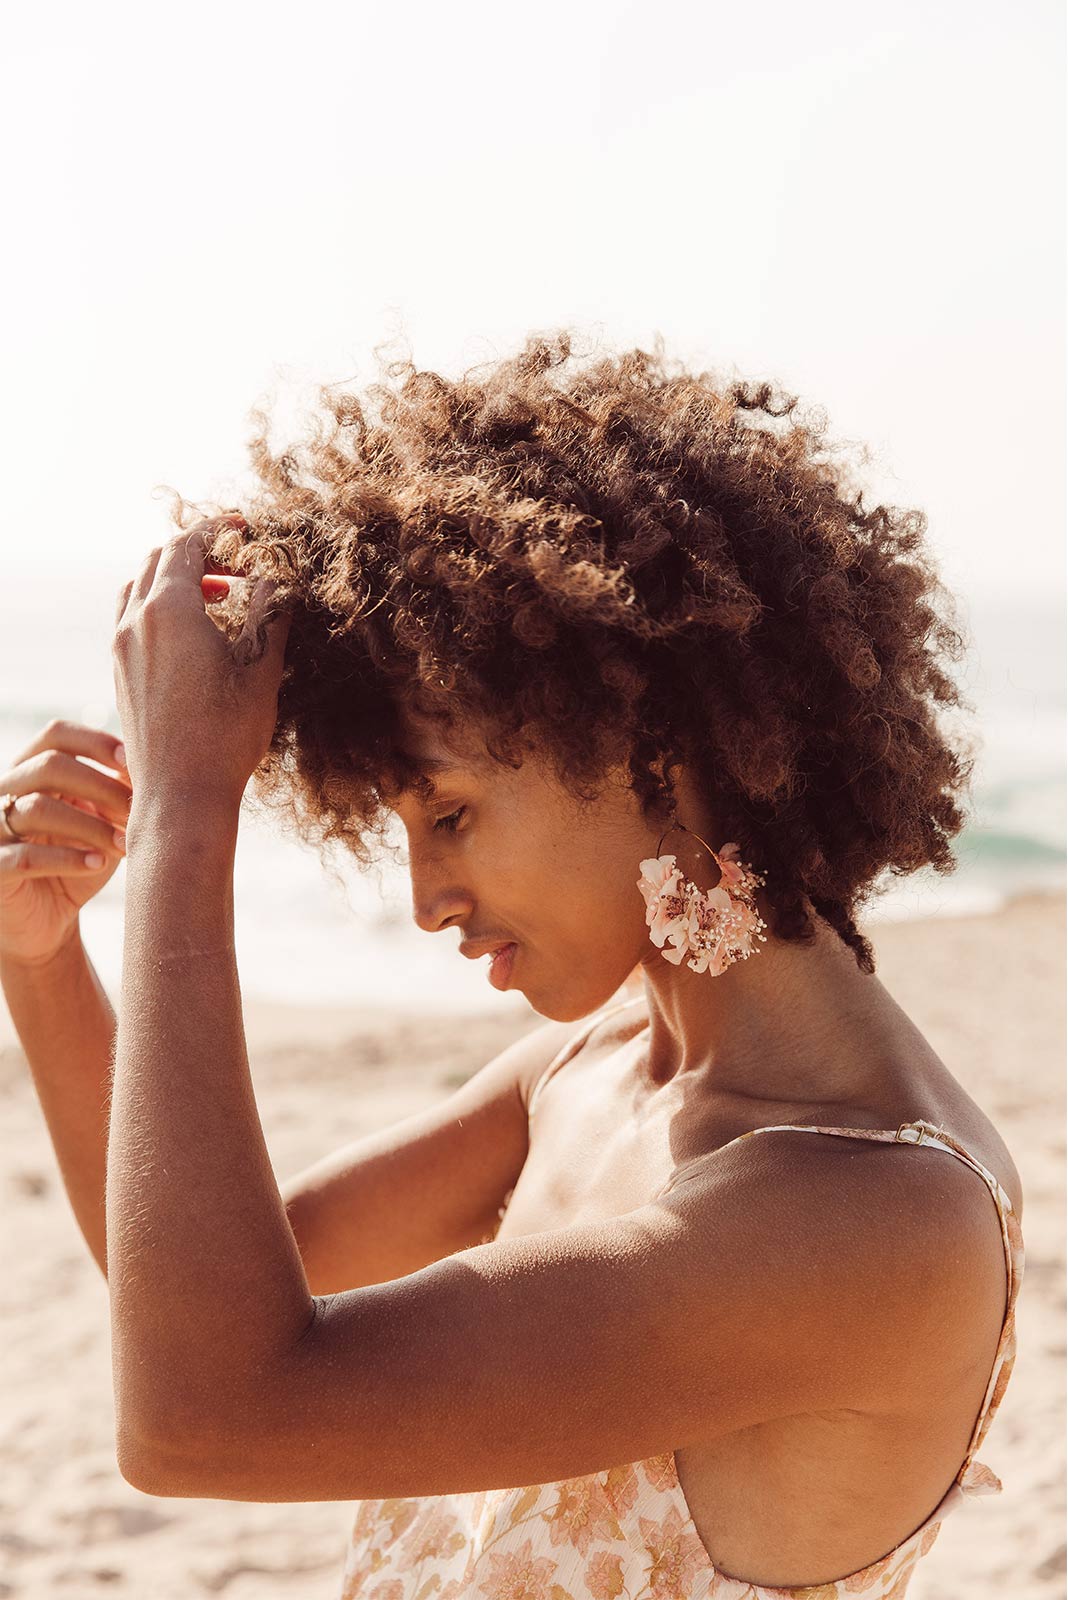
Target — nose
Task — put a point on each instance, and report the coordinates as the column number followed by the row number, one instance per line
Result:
column 437, row 906
column 432, row 921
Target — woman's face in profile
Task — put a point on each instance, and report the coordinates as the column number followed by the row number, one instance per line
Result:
column 508, row 855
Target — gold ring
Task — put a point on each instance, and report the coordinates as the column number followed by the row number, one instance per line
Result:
column 6, row 802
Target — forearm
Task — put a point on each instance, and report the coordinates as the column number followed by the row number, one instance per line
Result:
column 66, row 1026
column 207, row 1284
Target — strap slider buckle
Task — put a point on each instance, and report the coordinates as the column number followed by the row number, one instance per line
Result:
column 920, row 1131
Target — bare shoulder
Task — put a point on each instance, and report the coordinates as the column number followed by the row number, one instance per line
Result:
column 982, row 1139
column 893, row 1253
column 525, row 1060
column 553, row 1044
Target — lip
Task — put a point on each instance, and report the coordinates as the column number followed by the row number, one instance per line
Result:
column 473, row 948
column 500, row 972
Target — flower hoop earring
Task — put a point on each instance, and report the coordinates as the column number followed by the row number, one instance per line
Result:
column 716, row 927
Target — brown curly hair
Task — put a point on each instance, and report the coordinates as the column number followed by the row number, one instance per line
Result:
column 589, row 555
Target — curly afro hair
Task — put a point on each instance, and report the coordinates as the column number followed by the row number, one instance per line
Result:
column 606, row 558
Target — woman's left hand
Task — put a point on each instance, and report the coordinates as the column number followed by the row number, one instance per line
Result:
column 193, row 719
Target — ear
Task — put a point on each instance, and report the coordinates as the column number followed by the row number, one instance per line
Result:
column 669, row 777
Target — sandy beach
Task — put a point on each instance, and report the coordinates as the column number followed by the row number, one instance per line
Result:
column 988, row 992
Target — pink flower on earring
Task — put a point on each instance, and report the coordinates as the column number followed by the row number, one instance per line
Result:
column 716, row 926
column 732, row 871
column 723, row 933
column 666, row 908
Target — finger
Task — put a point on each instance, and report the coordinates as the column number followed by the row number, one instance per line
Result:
column 214, row 585
column 50, row 861
column 213, row 525
column 214, row 589
column 264, row 604
column 42, row 818
column 213, row 570
column 181, row 564
column 123, row 601
column 261, row 605
column 233, row 519
column 55, row 772
column 77, row 740
column 145, row 577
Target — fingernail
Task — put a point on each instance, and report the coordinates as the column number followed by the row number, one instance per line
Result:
column 120, row 754
column 120, row 838
column 94, row 859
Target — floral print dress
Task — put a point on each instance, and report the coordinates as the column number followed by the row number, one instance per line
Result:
column 628, row 1531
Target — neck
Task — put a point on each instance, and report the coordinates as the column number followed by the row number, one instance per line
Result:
column 794, row 1022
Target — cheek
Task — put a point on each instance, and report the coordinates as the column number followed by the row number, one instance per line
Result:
column 594, row 893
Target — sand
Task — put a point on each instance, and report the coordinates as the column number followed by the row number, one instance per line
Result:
column 987, row 991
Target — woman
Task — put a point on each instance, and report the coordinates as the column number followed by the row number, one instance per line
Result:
column 652, row 692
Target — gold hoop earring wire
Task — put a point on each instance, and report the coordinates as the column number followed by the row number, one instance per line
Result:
column 676, row 824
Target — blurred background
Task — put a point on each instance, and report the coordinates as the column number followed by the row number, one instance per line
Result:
column 217, row 206
column 222, row 207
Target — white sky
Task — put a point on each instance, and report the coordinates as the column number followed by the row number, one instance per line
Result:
column 211, row 204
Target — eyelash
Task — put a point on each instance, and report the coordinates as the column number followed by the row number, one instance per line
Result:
column 450, row 823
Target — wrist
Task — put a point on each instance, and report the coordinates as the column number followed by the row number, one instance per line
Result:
column 44, row 965
column 193, row 817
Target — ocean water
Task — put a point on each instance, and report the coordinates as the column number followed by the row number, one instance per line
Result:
column 302, row 938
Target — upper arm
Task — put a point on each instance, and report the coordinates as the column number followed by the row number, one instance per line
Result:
column 762, row 1290
column 431, row 1184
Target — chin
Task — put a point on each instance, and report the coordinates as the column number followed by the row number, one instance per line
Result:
column 576, row 1007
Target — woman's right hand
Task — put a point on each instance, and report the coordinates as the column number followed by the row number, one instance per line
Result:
column 64, row 810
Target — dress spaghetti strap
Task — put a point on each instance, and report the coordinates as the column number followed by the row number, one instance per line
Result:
column 572, row 1047
column 916, row 1133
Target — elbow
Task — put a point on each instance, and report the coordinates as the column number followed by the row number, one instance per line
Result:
column 190, row 1477
column 209, row 1469
column 142, row 1468
column 159, row 1467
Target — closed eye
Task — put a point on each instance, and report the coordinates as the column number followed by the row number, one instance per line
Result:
column 449, row 824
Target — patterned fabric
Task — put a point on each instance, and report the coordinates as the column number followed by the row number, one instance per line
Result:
column 628, row 1531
